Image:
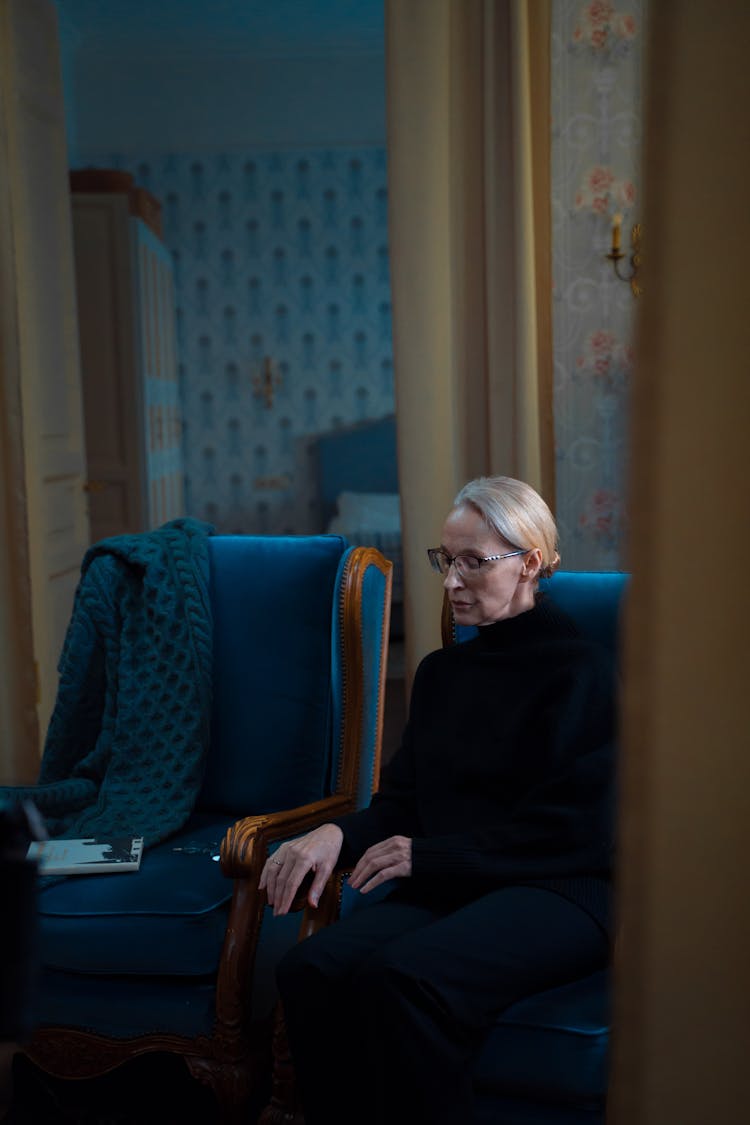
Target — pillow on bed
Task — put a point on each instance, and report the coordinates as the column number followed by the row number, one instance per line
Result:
column 371, row 511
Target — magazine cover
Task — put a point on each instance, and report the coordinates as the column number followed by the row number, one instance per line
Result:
column 87, row 856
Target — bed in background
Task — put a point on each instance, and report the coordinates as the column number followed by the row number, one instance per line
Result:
column 357, row 481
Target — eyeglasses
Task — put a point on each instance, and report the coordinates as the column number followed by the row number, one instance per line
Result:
column 467, row 566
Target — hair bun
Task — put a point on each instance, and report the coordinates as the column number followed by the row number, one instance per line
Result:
column 548, row 570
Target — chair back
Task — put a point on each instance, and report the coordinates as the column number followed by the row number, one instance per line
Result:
column 592, row 598
column 278, row 704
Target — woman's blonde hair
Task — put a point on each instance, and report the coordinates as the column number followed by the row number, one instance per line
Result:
column 513, row 510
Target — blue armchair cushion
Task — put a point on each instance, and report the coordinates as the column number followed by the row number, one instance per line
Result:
column 168, row 918
column 272, row 706
column 149, row 963
column 592, row 598
column 551, row 1047
column 123, row 1007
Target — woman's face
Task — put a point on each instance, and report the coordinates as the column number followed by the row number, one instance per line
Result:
column 499, row 589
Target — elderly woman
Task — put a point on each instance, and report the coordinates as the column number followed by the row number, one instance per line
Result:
column 494, row 823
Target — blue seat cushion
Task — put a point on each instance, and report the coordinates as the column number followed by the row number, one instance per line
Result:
column 547, row 1048
column 125, row 1006
column 135, row 965
column 167, row 918
column 551, row 1047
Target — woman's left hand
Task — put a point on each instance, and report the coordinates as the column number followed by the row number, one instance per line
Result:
column 390, row 859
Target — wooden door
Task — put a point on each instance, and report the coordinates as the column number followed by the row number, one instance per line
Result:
column 162, row 435
column 106, row 284
column 39, row 239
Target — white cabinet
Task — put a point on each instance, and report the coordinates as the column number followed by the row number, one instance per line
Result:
column 126, row 317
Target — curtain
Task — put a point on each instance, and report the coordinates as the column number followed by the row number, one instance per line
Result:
column 469, row 230
column 19, row 728
column 682, row 977
column 19, row 735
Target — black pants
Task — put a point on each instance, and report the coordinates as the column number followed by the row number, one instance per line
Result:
column 386, row 1009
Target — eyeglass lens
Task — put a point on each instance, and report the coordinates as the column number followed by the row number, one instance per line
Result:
column 463, row 563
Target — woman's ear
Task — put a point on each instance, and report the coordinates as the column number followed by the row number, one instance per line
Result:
column 532, row 565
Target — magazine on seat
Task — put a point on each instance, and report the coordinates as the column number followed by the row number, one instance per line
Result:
column 88, row 856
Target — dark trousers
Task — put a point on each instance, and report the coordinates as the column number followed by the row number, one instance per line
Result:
column 386, row 1009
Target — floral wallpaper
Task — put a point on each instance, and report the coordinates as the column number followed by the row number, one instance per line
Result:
column 283, row 318
column 596, row 141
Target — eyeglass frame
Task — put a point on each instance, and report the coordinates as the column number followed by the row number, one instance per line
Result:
column 433, row 552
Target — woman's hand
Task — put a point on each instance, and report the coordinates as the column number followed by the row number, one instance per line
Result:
column 284, row 871
column 390, row 859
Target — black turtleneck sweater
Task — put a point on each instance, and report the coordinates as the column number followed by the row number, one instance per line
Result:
column 506, row 771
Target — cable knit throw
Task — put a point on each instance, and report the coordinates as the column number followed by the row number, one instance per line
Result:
column 127, row 740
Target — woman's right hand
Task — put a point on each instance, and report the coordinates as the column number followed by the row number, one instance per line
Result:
column 284, row 871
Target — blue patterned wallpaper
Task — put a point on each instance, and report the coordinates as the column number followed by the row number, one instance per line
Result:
column 281, row 265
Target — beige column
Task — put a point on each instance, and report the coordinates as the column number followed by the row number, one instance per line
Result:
column 682, row 1002
column 463, row 172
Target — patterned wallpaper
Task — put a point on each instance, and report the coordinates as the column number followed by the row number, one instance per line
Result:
column 281, row 268
column 596, row 118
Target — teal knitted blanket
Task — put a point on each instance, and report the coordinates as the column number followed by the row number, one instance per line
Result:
column 127, row 740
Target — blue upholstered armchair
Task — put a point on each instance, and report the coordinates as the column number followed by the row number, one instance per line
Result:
column 179, row 957
column 546, row 1060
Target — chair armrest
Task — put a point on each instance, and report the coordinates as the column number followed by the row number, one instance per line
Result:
column 244, row 848
column 327, row 910
column 243, row 853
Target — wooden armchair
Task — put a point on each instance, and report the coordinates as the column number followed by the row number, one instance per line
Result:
column 180, row 956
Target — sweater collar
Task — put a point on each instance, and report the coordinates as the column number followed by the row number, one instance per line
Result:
column 544, row 619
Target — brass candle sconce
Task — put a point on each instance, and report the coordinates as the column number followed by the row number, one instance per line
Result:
column 267, row 382
column 616, row 254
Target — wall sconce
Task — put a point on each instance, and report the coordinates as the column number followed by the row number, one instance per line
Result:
column 267, row 382
column 616, row 255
